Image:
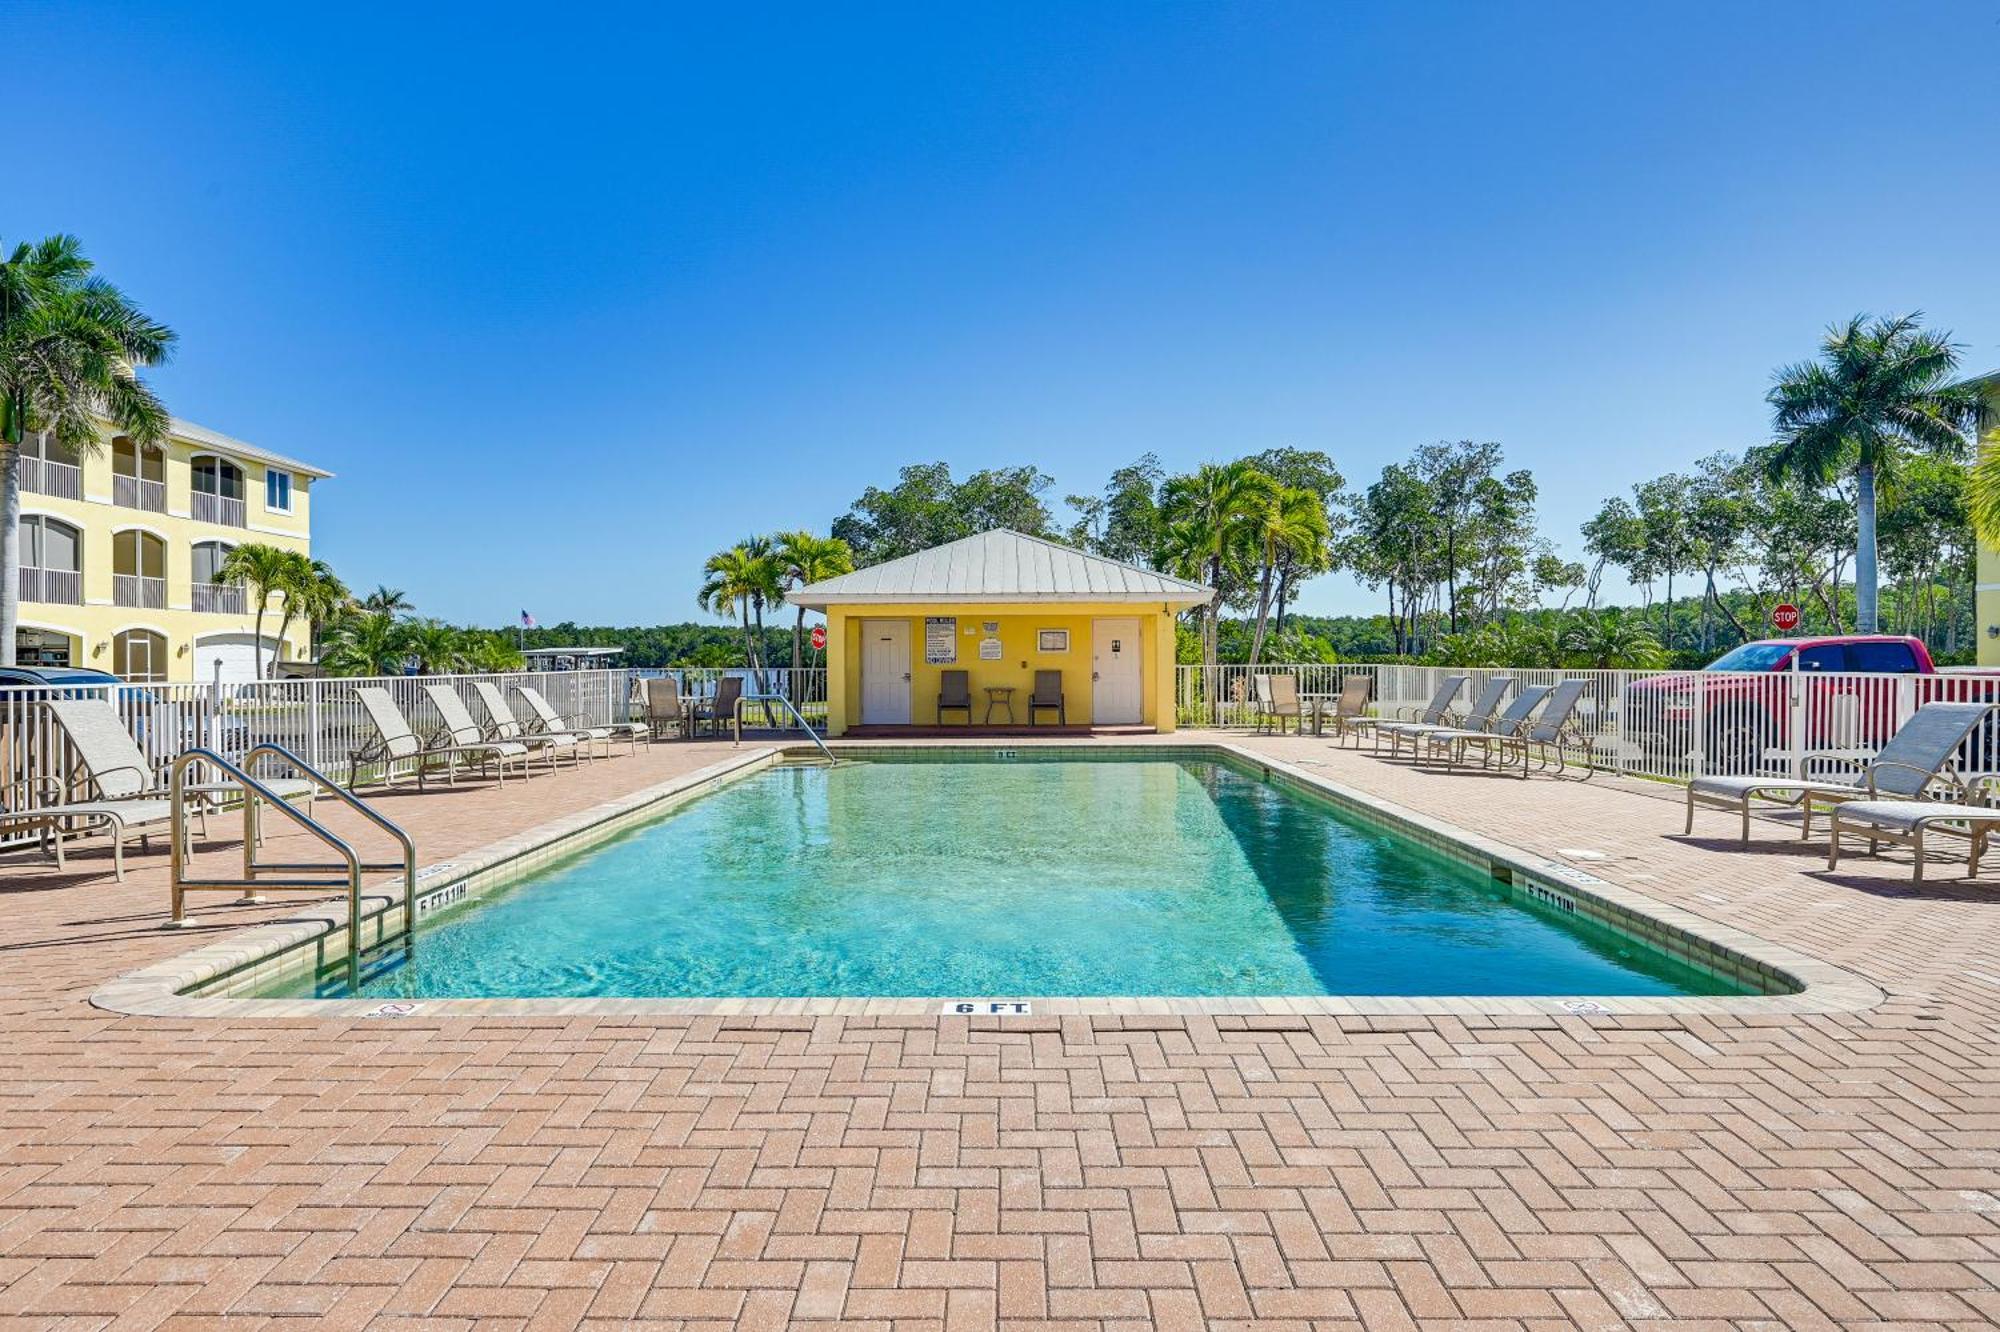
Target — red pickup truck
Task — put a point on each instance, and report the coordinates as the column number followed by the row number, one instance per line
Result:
column 1849, row 692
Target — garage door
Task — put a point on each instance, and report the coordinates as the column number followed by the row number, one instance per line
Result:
column 235, row 654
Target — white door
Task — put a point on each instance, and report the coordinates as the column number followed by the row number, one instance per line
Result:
column 1114, row 673
column 236, row 654
column 885, row 673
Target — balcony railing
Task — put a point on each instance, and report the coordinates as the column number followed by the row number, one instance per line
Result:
column 45, row 477
column 133, row 492
column 134, row 590
column 56, row 587
column 211, row 508
column 219, row 598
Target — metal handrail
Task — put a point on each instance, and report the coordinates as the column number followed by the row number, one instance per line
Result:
column 352, row 866
column 736, row 722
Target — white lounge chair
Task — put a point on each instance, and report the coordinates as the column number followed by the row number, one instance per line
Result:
column 1452, row 744
column 395, row 742
column 501, row 724
column 466, row 736
column 1902, row 770
column 1905, row 822
column 548, row 721
column 1412, row 733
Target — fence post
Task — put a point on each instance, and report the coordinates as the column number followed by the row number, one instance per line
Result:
column 316, row 748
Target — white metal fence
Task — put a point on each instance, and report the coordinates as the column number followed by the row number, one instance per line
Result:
column 1667, row 724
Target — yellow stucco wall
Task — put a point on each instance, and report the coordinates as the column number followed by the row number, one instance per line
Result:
column 93, row 625
column 1986, row 572
column 1019, row 659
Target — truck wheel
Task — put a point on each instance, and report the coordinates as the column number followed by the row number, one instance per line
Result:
column 1733, row 743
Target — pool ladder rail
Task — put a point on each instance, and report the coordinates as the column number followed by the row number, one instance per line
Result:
column 736, row 722
column 289, row 875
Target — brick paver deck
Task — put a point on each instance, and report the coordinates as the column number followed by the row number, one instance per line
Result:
column 1825, row 1171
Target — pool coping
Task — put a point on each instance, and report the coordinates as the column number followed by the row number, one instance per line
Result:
column 159, row 990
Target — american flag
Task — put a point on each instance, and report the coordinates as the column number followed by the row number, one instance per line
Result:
column 527, row 620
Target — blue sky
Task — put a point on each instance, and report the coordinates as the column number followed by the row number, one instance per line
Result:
column 629, row 286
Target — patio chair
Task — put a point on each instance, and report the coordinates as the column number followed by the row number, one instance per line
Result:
column 1902, row 770
column 1401, row 733
column 1352, row 703
column 547, row 721
column 1905, row 823
column 954, row 694
column 1282, row 703
column 502, row 724
column 1260, row 699
column 1432, row 713
column 1552, row 734
column 663, row 706
column 466, row 734
column 1047, row 697
column 1508, row 725
column 395, row 741
column 718, row 708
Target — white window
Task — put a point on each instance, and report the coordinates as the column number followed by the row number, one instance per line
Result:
column 278, row 491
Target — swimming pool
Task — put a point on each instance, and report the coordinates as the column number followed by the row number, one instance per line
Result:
column 1015, row 875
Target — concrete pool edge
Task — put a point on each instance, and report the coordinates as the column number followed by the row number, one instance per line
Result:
column 161, row 990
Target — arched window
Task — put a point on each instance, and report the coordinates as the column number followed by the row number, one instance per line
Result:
column 50, row 468
column 138, row 569
column 218, row 491
column 139, row 655
column 209, row 594
column 51, row 561
column 138, row 475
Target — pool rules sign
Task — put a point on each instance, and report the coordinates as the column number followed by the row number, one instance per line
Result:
column 940, row 640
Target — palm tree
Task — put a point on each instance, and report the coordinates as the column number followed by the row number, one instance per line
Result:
column 733, row 575
column 1982, row 490
column 805, row 558
column 1288, row 522
column 266, row 570
column 489, row 652
column 368, row 643
column 1879, row 390
column 70, row 343
column 321, row 599
column 1611, row 640
column 388, row 600
column 1208, row 517
column 438, row 647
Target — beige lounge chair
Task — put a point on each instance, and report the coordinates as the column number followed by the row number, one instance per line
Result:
column 954, row 694
column 1902, row 770
column 548, row 722
column 467, row 735
column 396, row 742
column 1047, row 696
column 501, row 724
column 663, row 705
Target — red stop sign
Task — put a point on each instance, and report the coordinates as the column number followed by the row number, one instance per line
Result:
column 1785, row 618
column 819, row 635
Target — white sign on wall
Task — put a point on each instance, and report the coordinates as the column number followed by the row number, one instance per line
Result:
column 989, row 649
column 940, row 640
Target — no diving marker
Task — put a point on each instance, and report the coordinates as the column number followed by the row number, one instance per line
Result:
column 986, row 1008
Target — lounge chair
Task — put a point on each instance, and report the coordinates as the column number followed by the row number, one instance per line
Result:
column 118, row 787
column 1349, row 707
column 663, row 705
column 1432, row 713
column 1551, row 733
column 502, row 724
column 1508, row 725
column 718, row 708
column 395, row 742
column 1282, row 703
column 1047, row 697
column 1260, row 699
column 954, row 694
column 1905, row 822
column 550, row 722
column 1483, row 708
column 467, row 735
column 1902, row 770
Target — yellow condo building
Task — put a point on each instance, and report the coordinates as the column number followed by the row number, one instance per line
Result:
column 119, row 550
column 1986, row 574
column 1003, row 608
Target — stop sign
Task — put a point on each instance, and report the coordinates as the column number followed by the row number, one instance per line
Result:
column 819, row 637
column 1785, row 618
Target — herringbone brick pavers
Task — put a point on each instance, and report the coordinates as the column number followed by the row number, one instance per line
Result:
column 1080, row 1172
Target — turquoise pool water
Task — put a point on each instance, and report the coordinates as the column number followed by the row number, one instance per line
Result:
column 1000, row 878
